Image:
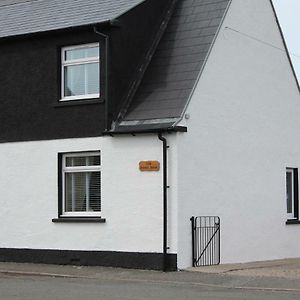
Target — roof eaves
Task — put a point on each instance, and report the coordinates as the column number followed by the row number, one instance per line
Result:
column 65, row 29
column 110, row 18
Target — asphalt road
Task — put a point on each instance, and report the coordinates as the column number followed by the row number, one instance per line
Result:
column 175, row 287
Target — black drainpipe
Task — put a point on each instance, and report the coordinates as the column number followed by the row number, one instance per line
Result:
column 106, row 93
column 165, row 202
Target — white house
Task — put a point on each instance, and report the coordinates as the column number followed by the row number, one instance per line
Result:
column 121, row 121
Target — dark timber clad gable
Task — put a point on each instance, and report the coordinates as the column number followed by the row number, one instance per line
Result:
column 30, row 77
column 174, row 69
column 30, row 88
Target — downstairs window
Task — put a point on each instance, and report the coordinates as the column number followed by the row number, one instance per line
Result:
column 81, row 184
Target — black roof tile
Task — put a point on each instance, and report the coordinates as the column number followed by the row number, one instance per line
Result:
column 169, row 80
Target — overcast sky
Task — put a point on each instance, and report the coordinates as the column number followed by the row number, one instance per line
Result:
column 288, row 12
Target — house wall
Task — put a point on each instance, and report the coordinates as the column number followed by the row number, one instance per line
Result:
column 242, row 134
column 131, row 199
column 35, row 126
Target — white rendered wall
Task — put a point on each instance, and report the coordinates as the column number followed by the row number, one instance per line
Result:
column 131, row 199
column 243, row 132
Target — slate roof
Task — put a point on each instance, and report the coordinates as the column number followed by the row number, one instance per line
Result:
column 169, row 79
column 19, row 17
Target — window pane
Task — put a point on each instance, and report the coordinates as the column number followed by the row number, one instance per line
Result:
column 74, row 80
column 80, row 161
column 289, row 192
column 92, row 78
column 82, row 53
column 94, row 193
column 82, row 192
column 81, row 79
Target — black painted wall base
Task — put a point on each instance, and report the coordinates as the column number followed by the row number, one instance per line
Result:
column 133, row 260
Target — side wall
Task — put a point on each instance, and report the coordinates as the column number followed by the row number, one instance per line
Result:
column 131, row 199
column 242, row 134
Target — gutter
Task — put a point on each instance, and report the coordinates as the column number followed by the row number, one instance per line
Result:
column 145, row 131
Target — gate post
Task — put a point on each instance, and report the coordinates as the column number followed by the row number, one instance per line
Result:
column 193, row 240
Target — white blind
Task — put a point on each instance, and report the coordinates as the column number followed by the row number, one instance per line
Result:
column 83, row 192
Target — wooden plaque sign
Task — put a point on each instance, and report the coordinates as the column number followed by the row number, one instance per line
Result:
column 150, row 165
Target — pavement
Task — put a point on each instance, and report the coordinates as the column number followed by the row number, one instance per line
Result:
column 283, row 268
column 276, row 275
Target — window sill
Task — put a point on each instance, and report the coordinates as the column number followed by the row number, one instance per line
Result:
column 78, row 102
column 292, row 222
column 79, row 220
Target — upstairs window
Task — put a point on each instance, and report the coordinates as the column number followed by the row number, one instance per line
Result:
column 81, row 184
column 80, row 72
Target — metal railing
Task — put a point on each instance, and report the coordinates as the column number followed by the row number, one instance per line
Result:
column 205, row 240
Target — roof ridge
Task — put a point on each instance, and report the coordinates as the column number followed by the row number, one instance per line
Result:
column 16, row 2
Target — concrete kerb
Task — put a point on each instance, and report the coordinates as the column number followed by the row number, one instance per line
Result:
column 23, row 273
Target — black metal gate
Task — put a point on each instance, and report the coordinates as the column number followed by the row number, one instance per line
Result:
column 206, row 241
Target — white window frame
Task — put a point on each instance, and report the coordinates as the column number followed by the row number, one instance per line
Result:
column 74, row 62
column 291, row 216
column 78, row 169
